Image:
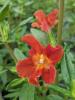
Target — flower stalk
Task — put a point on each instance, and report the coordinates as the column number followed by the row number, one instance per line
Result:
column 60, row 23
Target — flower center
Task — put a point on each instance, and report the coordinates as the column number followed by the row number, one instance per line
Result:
column 41, row 61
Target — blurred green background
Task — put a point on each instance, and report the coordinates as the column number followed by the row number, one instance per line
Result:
column 16, row 17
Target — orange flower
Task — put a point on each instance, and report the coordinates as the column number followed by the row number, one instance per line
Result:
column 45, row 23
column 40, row 63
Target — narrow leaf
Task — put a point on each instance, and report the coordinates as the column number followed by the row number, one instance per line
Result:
column 27, row 92
column 11, row 95
column 70, row 65
column 54, row 97
column 14, row 83
column 65, row 71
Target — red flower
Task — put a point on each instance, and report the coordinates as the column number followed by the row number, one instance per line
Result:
column 40, row 63
column 52, row 18
column 45, row 22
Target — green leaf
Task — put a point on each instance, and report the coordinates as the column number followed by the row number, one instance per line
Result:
column 27, row 92
column 26, row 21
column 14, row 83
column 4, row 78
column 2, row 72
column 4, row 10
column 28, row 3
column 38, row 97
column 18, row 54
column 73, row 88
column 71, row 66
column 14, row 98
column 61, row 90
column 65, row 70
column 12, row 69
column 39, row 35
column 54, row 97
column 13, row 94
column 52, row 39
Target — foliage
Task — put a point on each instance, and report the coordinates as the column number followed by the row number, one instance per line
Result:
column 16, row 17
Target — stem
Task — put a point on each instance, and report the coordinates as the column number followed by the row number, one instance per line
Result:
column 1, row 98
column 10, row 41
column 10, row 52
column 60, row 23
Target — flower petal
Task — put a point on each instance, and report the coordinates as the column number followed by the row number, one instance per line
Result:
column 55, row 53
column 31, row 52
column 30, row 40
column 52, row 18
column 44, row 26
column 34, row 81
column 25, row 68
column 35, row 24
column 49, row 75
column 40, row 16
column 41, row 19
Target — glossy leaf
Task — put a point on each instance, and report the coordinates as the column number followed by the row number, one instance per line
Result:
column 18, row 54
column 41, row 36
column 14, row 83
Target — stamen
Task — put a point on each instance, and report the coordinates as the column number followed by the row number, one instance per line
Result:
column 41, row 61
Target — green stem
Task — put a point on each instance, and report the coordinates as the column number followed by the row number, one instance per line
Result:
column 1, row 98
column 60, row 23
column 10, row 41
column 10, row 52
